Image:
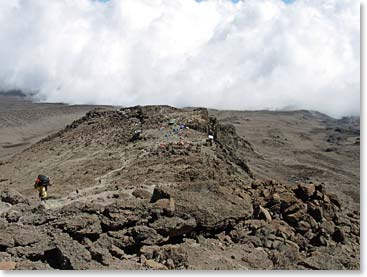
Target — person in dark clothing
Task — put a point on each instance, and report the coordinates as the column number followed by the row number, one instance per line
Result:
column 41, row 184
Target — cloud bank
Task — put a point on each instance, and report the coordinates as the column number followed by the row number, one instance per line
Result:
column 256, row 54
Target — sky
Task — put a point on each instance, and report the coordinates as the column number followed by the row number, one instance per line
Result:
column 249, row 55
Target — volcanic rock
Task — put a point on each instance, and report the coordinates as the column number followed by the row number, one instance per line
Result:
column 13, row 197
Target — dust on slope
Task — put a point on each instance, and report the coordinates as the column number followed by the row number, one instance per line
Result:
column 23, row 122
column 303, row 146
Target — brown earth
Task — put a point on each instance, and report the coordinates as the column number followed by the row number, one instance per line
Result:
column 23, row 122
column 276, row 190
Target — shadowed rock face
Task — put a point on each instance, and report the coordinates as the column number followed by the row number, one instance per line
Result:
column 166, row 199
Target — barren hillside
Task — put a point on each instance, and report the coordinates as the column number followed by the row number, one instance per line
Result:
column 141, row 187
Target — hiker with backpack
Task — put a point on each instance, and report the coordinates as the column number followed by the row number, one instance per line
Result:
column 41, row 184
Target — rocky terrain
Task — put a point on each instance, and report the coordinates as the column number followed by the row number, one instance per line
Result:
column 142, row 188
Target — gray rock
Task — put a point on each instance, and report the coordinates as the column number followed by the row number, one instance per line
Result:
column 25, row 235
column 70, row 254
column 145, row 235
column 13, row 197
column 32, row 265
column 305, row 191
column 6, row 239
column 160, row 192
column 154, row 265
column 36, row 251
column 338, row 235
column 173, row 226
column 82, row 225
column 5, row 256
column 142, row 193
column 322, row 261
column 167, row 206
column 209, row 209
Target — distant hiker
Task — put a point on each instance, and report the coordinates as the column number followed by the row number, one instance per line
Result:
column 41, row 184
column 136, row 136
column 210, row 139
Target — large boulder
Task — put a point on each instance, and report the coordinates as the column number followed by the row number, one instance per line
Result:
column 119, row 239
column 173, row 226
column 145, row 235
column 212, row 210
column 69, row 254
column 24, row 236
column 116, row 220
column 83, row 225
column 13, row 197
column 37, row 251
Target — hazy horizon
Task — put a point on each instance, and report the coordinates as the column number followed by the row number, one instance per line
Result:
column 250, row 55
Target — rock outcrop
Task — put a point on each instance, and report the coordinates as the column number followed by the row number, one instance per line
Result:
column 169, row 200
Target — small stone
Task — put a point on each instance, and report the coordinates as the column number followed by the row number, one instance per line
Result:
column 167, row 205
column 334, row 199
column 170, row 264
column 265, row 214
column 305, row 191
column 276, row 197
column 303, row 227
column 295, row 208
column 149, row 251
column 266, row 193
column 267, row 243
column 318, row 240
column 6, row 240
column 275, row 244
column 316, row 213
column 3, row 224
column 326, row 199
column 154, row 265
column 160, row 193
column 12, row 215
column 117, row 252
column 312, row 222
column 256, row 183
column 143, row 259
column 228, row 239
column 141, row 193
column 338, row 235
column 329, row 226
column 292, row 219
column 319, row 195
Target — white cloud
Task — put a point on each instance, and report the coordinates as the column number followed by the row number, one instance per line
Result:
column 256, row 54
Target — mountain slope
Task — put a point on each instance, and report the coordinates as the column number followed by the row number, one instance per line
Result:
column 141, row 187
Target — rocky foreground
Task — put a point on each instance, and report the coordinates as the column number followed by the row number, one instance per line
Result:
column 141, row 188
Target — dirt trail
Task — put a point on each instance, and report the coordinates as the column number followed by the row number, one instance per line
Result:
column 105, row 193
